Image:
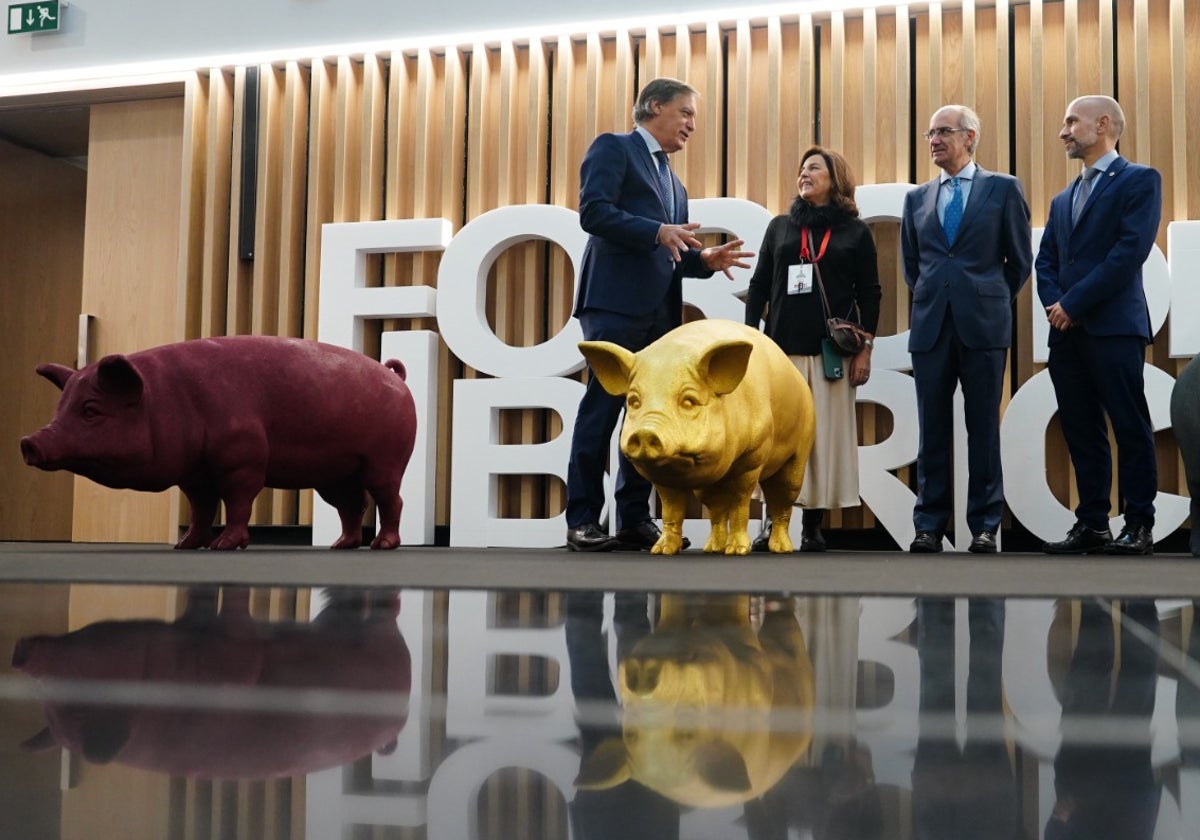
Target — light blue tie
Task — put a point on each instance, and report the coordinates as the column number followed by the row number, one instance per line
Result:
column 664, row 184
column 954, row 211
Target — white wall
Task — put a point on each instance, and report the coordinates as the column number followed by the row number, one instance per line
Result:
column 102, row 37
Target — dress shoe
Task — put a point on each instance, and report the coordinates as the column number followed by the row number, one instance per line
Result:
column 642, row 537
column 589, row 537
column 1134, row 539
column 1081, row 539
column 812, row 540
column 762, row 541
column 926, row 542
column 983, row 543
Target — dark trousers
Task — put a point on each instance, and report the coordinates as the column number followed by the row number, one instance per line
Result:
column 597, row 418
column 937, row 373
column 1095, row 377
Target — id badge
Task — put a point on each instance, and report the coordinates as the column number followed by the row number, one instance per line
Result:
column 800, row 279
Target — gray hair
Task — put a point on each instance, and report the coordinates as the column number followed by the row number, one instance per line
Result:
column 967, row 119
column 662, row 90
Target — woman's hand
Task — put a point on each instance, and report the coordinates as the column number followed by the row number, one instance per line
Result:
column 860, row 367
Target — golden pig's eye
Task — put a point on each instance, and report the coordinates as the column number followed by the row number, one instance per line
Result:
column 688, row 403
column 632, row 401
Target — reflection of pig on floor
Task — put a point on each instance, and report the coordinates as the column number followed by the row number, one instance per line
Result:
column 1185, row 422
column 224, row 417
column 352, row 653
column 713, row 408
column 713, row 713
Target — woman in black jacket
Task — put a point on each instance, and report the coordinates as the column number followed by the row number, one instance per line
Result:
column 821, row 233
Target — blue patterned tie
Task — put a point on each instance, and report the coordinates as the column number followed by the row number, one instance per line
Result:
column 954, row 211
column 664, row 184
column 1082, row 192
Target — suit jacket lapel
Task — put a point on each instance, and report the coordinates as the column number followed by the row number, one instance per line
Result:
column 929, row 204
column 980, row 187
column 650, row 171
column 1099, row 185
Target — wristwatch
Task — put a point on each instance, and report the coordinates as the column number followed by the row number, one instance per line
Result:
column 870, row 342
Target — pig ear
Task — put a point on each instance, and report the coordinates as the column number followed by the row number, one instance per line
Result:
column 58, row 374
column 611, row 363
column 724, row 364
column 119, row 377
column 40, row 742
column 722, row 767
column 606, row 767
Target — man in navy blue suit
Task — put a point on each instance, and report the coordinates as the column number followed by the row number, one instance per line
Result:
column 1089, row 277
column 631, row 292
column 965, row 243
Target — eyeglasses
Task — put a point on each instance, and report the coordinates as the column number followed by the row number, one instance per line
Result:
column 942, row 132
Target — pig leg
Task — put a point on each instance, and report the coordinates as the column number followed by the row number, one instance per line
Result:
column 389, row 505
column 203, row 500
column 351, row 502
column 780, row 492
column 674, row 507
column 729, row 512
column 238, row 493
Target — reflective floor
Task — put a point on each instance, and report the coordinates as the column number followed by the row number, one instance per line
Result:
column 164, row 710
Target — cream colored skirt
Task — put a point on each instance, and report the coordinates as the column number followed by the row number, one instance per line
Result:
column 831, row 477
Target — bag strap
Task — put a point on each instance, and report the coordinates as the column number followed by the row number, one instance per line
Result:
column 821, row 286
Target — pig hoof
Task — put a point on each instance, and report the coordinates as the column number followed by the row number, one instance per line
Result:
column 386, row 542
column 782, row 546
column 347, row 541
column 231, row 539
column 192, row 539
column 667, row 544
column 738, row 548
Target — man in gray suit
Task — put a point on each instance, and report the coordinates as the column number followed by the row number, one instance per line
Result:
column 965, row 243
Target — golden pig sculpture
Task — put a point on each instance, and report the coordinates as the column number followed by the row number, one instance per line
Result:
column 713, row 712
column 712, row 408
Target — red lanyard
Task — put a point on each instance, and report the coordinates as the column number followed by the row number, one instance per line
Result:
column 805, row 238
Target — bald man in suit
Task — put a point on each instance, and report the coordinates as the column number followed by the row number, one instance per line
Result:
column 631, row 292
column 965, row 243
column 1089, row 277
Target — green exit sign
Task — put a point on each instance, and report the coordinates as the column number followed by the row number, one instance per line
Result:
column 45, row 16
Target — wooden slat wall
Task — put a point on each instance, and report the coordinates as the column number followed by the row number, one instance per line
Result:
column 458, row 131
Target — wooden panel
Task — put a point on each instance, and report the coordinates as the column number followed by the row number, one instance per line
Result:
column 130, row 279
column 41, row 237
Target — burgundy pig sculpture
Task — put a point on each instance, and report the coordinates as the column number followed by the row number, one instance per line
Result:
column 712, row 409
column 224, row 417
column 218, row 695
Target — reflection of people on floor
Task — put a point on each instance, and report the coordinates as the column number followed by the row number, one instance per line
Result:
column 1103, row 780
column 629, row 811
column 966, row 791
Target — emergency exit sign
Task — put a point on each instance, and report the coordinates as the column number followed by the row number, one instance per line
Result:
column 44, row 16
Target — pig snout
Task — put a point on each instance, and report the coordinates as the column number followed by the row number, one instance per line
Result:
column 641, row 676
column 645, row 444
column 32, row 452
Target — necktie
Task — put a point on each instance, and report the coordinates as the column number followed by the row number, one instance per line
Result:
column 664, row 184
column 954, row 211
column 1082, row 192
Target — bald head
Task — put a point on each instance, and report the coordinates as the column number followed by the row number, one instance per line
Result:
column 1091, row 127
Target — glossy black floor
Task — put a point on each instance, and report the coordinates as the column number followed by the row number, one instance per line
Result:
column 436, row 694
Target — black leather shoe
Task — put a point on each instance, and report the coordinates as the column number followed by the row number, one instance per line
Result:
column 926, row 542
column 762, row 541
column 642, row 537
column 1134, row 539
column 983, row 543
column 589, row 537
column 1081, row 539
column 812, row 540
